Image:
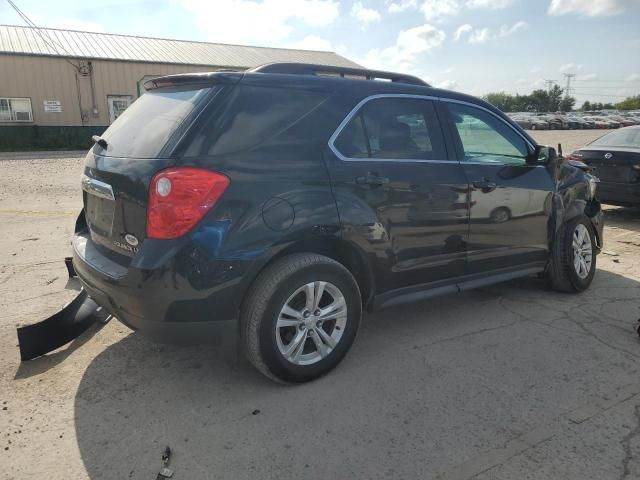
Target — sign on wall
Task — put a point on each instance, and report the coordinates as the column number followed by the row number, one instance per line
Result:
column 52, row 106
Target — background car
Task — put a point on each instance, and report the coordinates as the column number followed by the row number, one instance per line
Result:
column 615, row 158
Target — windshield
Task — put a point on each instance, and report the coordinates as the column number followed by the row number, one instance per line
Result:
column 147, row 125
column 620, row 138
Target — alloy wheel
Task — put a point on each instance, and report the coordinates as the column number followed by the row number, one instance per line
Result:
column 311, row 323
column 582, row 251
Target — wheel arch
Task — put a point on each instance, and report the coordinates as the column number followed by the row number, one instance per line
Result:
column 342, row 251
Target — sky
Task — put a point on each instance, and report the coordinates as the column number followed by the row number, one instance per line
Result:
column 473, row 46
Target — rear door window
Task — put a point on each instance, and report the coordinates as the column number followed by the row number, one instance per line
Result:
column 251, row 115
column 145, row 128
column 393, row 129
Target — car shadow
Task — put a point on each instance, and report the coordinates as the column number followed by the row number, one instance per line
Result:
column 405, row 382
column 627, row 218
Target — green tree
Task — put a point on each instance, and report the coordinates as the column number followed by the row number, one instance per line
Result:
column 500, row 100
column 567, row 103
column 540, row 100
column 586, row 106
column 629, row 103
column 555, row 96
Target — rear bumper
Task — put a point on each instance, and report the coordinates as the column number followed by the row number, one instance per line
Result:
column 619, row 193
column 178, row 298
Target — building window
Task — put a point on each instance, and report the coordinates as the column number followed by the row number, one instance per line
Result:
column 15, row 110
column 117, row 104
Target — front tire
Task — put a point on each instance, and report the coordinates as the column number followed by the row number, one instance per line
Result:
column 300, row 317
column 573, row 259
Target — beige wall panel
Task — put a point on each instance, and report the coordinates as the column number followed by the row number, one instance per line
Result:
column 52, row 78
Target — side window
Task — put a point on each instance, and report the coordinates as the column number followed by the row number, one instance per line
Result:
column 485, row 138
column 352, row 141
column 248, row 116
column 393, row 128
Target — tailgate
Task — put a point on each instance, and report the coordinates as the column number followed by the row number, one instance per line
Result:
column 115, row 196
column 612, row 165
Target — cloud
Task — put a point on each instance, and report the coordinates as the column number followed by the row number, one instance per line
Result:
column 505, row 30
column 364, row 15
column 447, row 85
column 448, row 70
column 634, row 77
column 437, row 9
column 311, row 42
column 491, row 4
column 403, row 54
column 569, row 67
column 587, row 76
column 266, row 22
column 461, row 30
column 480, row 35
column 590, row 8
column 483, row 35
column 402, row 5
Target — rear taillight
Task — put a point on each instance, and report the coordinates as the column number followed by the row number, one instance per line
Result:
column 178, row 199
column 575, row 156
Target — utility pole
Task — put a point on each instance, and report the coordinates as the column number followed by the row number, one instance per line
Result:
column 569, row 77
column 549, row 84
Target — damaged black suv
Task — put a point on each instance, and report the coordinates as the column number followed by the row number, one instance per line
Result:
column 279, row 203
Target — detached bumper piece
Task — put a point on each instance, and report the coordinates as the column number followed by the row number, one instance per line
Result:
column 62, row 327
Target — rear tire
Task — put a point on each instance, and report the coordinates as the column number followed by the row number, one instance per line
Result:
column 300, row 317
column 573, row 259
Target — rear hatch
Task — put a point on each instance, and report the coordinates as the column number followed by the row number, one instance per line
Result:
column 138, row 144
column 614, row 156
column 612, row 164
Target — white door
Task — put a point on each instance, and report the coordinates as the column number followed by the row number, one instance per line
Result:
column 117, row 105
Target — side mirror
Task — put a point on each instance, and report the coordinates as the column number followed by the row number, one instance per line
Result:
column 542, row 155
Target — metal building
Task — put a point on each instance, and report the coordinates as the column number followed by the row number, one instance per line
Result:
column 58, row 87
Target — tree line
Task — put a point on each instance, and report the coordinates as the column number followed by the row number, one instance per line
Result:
column 552, row 100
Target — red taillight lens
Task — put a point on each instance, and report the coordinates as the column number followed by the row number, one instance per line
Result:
column 575, row 156
column 178, row 199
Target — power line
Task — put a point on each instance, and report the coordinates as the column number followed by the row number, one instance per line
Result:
column 46, row 38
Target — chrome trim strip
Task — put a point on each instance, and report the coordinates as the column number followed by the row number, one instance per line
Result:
column 97, row 188
column 362, row 102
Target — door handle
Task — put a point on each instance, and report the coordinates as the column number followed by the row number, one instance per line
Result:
column 372, row 179
column 485, row 185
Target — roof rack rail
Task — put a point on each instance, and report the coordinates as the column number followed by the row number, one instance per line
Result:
column 327, row 70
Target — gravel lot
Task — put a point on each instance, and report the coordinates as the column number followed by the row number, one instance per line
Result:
column 508, row 382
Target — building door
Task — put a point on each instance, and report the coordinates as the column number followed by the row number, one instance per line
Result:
column 117, row 105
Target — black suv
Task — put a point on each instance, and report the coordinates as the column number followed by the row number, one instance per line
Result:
column 278, row 203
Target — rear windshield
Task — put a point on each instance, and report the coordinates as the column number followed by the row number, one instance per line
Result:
column 147, row 125
column 620, row 138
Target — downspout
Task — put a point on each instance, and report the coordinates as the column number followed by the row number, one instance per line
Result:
column 94, row 107
column 79, row 99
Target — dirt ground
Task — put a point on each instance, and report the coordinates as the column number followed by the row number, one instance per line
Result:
column 508, row 382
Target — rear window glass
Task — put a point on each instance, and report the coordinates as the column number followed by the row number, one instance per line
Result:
column 250, row 116
column 620, row 138
column 144, row 128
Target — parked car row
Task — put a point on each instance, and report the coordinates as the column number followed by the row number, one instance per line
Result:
column 575, row 120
